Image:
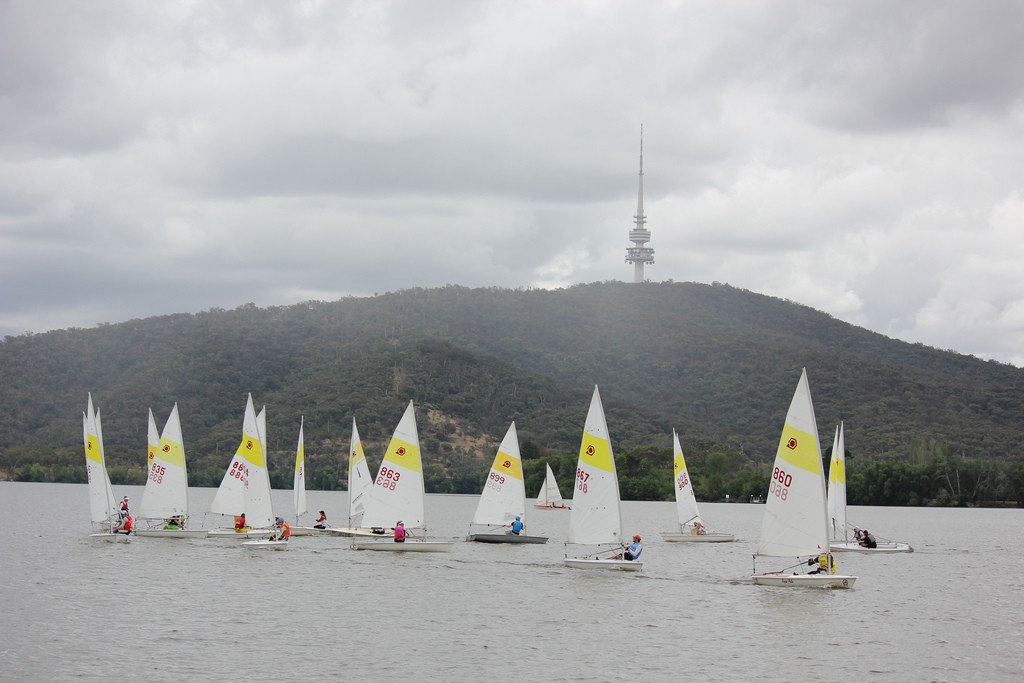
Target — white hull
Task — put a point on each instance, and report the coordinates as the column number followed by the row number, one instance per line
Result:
column 233, row 533
column 881, row 548
column 265, row 544
column 108, row 536
column 507, row 538
column 357, row 531
column 405, row 547
column 804, row 580
column 680, row 537
column 621, row 565
column 172, row 533
column 309, row 531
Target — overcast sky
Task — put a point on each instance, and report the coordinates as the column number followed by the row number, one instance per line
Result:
column 862, row 158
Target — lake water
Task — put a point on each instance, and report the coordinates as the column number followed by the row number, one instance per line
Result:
column 169, row 610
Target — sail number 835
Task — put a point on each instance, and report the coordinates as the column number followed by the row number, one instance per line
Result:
column 780, row 483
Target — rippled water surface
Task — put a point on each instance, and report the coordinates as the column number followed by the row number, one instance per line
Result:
column 172, row 610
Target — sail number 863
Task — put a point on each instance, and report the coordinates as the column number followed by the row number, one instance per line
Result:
column 780, row 483
column 388, row 478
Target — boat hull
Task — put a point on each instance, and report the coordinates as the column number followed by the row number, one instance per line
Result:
column 309, row 531
column 265, row 544
column 234, row 533
column 593, row 563
column 881, row 548
column 359, row 532
column 507, row 538
column 804, row 580
column 109, row 536
column 405, row 547
column 679, row 537
column 172, row 533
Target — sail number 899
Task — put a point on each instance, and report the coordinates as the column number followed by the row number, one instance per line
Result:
column 495, row 480
column 780, row 483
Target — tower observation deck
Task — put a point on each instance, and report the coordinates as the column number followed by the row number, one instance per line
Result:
column 640, row 255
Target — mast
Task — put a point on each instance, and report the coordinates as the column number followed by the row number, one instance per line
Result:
column 638, row 254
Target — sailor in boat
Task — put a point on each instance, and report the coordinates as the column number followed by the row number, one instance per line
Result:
column 698, row 528
column 124, row 507
column 399, row 532
column 864, row 538
column 632, row 551
column 173, row 523
column 284, row 530
column 516, row 526
column 826, row 564
column 240, row 522
column 321, row 521
column 125, row 526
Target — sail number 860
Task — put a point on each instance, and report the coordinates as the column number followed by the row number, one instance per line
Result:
column 780, row 483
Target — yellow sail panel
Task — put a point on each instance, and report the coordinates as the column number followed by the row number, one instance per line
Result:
column 596, row 452
column 800, row 450
column 92, row 449
column 300, row 457
column 508, row 465
column 837, row 471
column 252, row 451
column 171, row 452
column 404, row 454
column 355, row 458
column 680, row 464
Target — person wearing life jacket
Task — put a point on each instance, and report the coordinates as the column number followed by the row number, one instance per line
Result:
column 633, row 551
column 321, row 521
column 240, row 522
column 126, row 525
column 826, row 564
column 124, row 507
column 399, row 532
column 517, row 526
column 284, row 530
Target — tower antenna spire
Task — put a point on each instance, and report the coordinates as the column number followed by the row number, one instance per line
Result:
column 638, row 254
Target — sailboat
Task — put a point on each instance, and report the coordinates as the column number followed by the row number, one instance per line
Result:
column 259, row 510
column 691, row 526
column 795, row 521
column 231, row 497
column 596, row 517
column 397, row 493
column 165, row 497
column 359, row 484
column 549, row 497
column 102, row 506
column 503, row 500
column 299, row 489
column 840, row 535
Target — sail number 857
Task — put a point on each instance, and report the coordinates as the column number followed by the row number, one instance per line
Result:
column 780, row 483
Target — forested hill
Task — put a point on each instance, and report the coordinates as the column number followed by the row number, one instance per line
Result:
column 717, row 363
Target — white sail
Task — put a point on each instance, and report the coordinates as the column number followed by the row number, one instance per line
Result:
column 397, row 492
column 795, row 521
column 686, row 501
column 166, row 492
column 837, row 487
column 102, row 506
column 596, row 518
column 359, row 481
column 259, row 510
column 549, row 495
column 299, row 482
column 152, row 439
column 231, row 496
column 504, row 495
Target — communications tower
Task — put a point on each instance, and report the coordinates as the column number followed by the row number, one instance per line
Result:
column 638, row 254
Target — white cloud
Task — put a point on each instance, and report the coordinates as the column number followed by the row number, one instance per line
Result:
column 861, row 159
